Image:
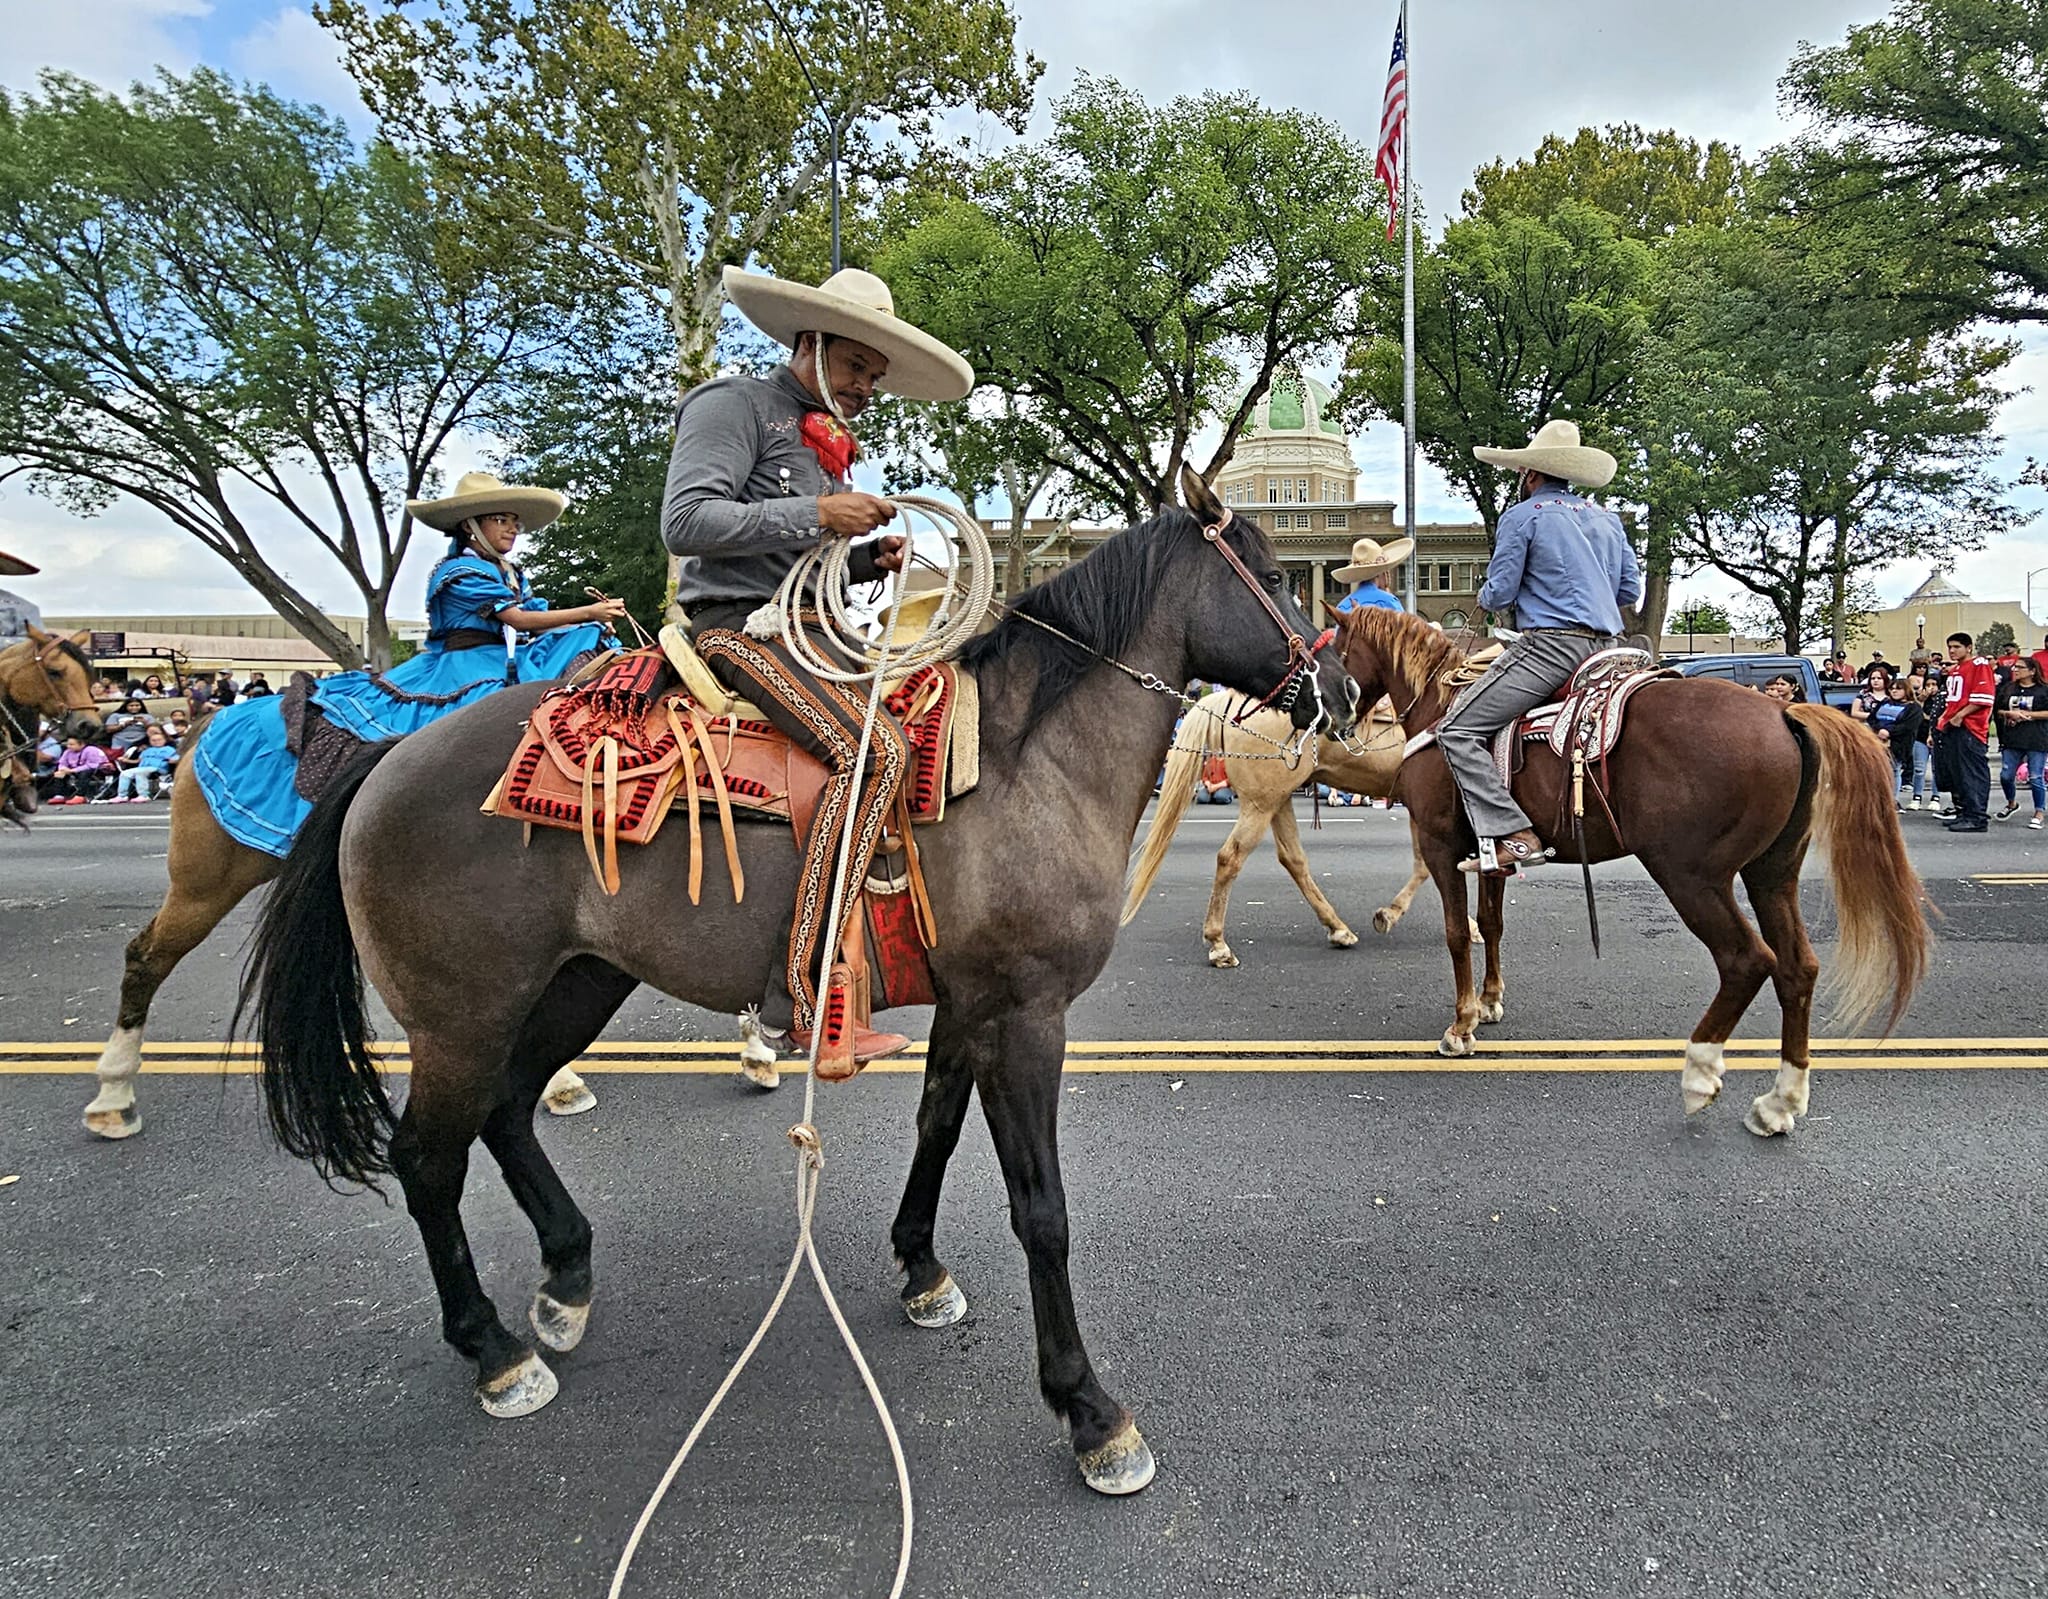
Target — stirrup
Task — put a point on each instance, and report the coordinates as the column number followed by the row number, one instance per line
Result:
column 1498, row 858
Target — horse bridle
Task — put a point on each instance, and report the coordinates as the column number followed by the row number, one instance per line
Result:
column 1301, row 654
column 18, row 739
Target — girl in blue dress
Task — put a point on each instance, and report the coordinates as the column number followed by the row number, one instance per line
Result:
column 486, row 628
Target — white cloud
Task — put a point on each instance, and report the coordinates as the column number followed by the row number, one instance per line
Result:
column 297, row 57
column 112, row 42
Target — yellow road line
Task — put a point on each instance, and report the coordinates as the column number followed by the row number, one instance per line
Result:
column 1157, row 1064
column 2009, row 877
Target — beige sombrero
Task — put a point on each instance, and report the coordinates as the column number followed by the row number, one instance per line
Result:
column 1369, row 556
column 479, row 494
column 15, row 566
column 852, row 304
column 1556, row 452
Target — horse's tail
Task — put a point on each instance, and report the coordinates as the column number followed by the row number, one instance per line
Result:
column 1176, row 788
column 304, row 989
column 1879, row 903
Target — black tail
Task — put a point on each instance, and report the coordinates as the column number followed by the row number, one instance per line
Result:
column 304, row 987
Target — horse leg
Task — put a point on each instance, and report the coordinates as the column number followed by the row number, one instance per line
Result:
column 1493, row 893
column 1019, row 1079
column 582, row 998
column 1775, row 898
column 210, row 875
column 1388, row 917
column 1450, row 888
column 1287, row 842
column 454, row 1091
column 1244, row 837
column 931, row 1298
column 1709, row 910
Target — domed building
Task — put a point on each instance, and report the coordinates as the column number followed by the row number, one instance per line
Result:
column 1294, row 474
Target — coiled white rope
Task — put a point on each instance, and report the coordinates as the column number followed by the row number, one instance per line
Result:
column 948, row 628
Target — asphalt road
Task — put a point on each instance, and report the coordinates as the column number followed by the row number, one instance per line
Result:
column 1391, row 1330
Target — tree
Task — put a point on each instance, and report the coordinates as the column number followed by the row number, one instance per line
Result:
column 666, row 139
column 1700, row 616
column 1998, row 636
column 1119, row 281
column 1516, row 321
column 212, row 304
column 1651, row 184
column 1938, row 141
column 1803, row 434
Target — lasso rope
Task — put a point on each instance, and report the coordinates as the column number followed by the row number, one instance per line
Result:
column 968, row 550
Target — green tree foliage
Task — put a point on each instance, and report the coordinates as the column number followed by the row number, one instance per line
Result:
column 1517, row 320
column 1651, row 184
column 1935, row 139
column 213, row 304
column 1998, row 636
column 667, row 139
column 1119, row 280
column 1699, row 616
column 1802, row 434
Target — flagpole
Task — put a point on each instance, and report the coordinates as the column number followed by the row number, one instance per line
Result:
column 1408, row 309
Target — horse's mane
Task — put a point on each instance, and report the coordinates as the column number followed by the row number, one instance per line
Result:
column 1103, row 600
column 1414, row 653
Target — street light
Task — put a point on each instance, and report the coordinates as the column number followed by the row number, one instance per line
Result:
column 2037, row 571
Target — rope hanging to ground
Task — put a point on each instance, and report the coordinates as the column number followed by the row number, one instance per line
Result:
column 969, row 555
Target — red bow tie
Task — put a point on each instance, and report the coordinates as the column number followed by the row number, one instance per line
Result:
column 829, row 440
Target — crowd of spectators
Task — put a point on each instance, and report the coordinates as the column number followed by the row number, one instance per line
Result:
column 144, row 723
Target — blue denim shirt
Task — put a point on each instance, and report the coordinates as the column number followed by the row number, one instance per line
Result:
column 1370, row 594
column 1559, row 560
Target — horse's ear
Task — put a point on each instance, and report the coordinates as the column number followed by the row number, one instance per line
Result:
column 37, row 635
column 1332, row 615
column 82, row 638
column 1196, row 494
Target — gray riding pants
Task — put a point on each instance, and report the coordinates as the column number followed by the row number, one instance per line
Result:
column 1529, row 673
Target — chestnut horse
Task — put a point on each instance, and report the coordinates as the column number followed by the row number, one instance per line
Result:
column 45, row 677
column 1708, row 781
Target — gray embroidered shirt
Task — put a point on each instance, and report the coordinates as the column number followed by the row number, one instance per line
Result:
column 741, row 503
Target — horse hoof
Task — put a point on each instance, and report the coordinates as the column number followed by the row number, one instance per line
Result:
column 1384, row 921
column 1697, row 1100
column 123, row 1122
column 1454, row 1044
column 1494, row 1012
column 1222, row 956
column 527, row 1387
column 940, row 1307
column 1121, row 1466
column 761, row 1074
column 1767, row 1120
column 1343, row 938
column 571, row 1099
column 559, row 1326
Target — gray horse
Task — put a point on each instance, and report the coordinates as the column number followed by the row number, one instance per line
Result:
column 397, row 871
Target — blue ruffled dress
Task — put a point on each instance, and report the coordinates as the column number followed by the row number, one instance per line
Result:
column 243, row 767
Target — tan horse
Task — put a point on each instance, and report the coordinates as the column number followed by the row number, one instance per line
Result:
column 1264, row 783
column 210, row 875
column 45, row 677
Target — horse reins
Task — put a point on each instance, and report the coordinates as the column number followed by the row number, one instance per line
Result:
column 21, row 739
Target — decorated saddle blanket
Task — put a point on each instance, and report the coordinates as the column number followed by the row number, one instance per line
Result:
column 1588, row 719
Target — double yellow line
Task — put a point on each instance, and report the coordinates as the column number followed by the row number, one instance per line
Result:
column 1177, row 1057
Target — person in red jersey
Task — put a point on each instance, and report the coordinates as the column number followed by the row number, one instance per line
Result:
column 1961, row 731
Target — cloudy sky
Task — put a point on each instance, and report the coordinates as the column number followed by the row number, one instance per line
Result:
column 1485, row 84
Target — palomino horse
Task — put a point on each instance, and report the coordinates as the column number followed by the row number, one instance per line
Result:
column 1264, row 781
column 395, row 869
column 210, row 874
column 44, row 677
column 1708, row 781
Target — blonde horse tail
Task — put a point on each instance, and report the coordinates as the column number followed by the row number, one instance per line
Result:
column 1880, row 907
column 1176, row 789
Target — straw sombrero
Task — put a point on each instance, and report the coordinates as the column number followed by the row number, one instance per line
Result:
column 852, row 304
column 1556, row 452
column 15, row 566
column 479, row 494
column 1369, row 556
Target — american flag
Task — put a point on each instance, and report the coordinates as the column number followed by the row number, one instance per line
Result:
column 1394, row 129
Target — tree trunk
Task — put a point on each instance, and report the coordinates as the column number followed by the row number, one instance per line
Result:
column 696, row 345
column 1838, row 588
column 377, row 633
column 1649, row 616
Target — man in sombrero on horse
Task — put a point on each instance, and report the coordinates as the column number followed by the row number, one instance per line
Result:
column 1562, row 568
column 759, row 475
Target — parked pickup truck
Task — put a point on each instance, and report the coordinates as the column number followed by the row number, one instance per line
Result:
column 1754, row 671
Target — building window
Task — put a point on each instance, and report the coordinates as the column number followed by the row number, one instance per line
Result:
column 1443, row 577
column 1272, row 492
column 1456, row 621
column 1337, row 519
column 1301, row 487
column 1421, row 579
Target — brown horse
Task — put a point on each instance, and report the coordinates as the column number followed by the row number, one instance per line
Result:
column 210, row 874
column 1708, row 781
column 45, row 677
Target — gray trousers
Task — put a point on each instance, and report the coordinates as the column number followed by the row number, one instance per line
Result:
column 1529, row 673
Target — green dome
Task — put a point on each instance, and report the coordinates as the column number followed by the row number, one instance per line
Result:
column 1296, row 403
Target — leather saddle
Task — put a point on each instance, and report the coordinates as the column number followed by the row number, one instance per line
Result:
column 1584, row 724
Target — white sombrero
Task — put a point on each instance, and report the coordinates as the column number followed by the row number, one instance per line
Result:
column 852, row 304
column 1556, row 452
column 1369, row 556
column 479, row 494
